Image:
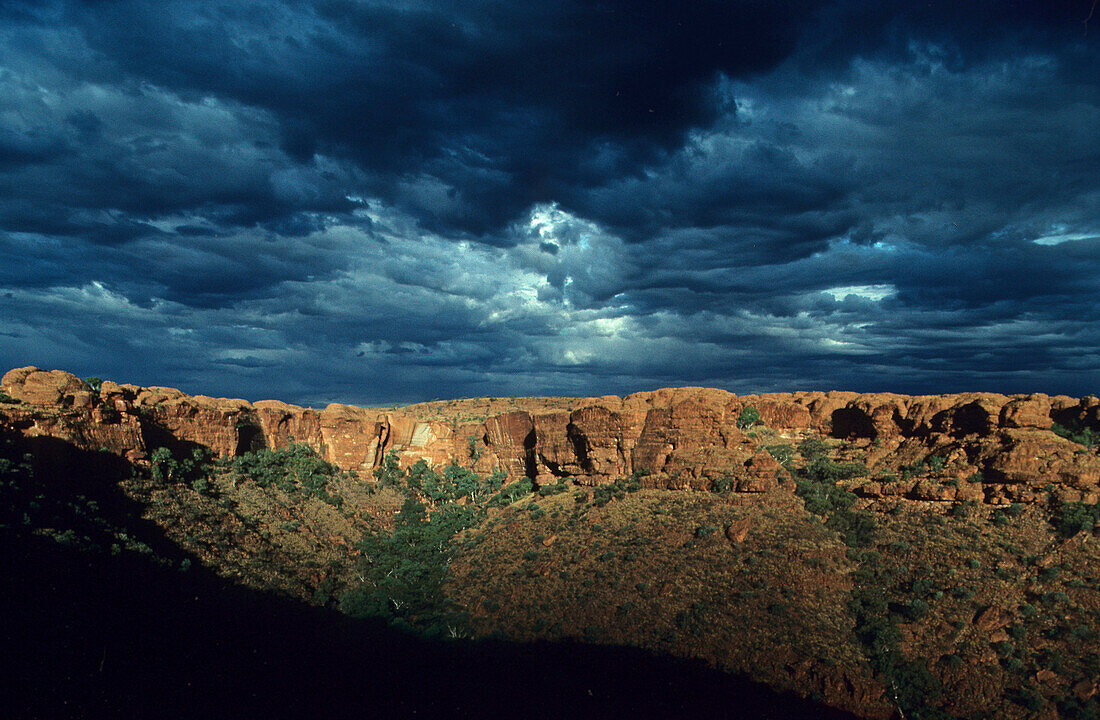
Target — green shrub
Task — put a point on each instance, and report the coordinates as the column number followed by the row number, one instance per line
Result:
column 1071, row 518
column 1029, row 697
column 496, row 480
column 912, row 470
column 824, row 469
column 1074, row 709
column 749, row 416
column 412, row 513
column 389, row 473
column 295, row 468
column 616, row 490
column 511, row 493
column 916, row 690
column 1056, row 597
column 193, row 470
column 783, row 453
column 593, row 633
column 963, row 592
column 816, row 485
column 1081, row 435
column 557, row 489
column 723, row 484
column 1082, row 632
column 203, row 486
column 812, row 448
column 403, row 571
column 462, row 482
column 963, row 510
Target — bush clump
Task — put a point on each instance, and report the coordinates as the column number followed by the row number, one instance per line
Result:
column 556, row 489
column 816, row 484
column 617, row 490
column 812, row 448
column 511, row 493
column 724, row 484
column 295, row 468
column 193, row 470
column 783, row 452
column 1072, row 517
column 749, row 416
column 1081, row 435
column 403, row 571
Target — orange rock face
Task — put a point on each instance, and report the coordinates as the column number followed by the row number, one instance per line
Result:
column 683, row 438
column 38, row 387
column 511, row 440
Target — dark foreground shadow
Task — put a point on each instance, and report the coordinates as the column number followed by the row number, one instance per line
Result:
column 92, row 635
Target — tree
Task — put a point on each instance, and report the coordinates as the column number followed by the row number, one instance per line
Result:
column 749, row 416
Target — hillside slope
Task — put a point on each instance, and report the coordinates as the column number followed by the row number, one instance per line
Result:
column 934, row 555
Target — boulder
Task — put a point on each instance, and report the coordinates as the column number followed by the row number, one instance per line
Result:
column 46, row 387
column 1032, row 411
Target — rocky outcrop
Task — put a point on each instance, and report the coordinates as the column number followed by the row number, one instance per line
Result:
column 512, row 438
column 958, row 447
column 52, row 388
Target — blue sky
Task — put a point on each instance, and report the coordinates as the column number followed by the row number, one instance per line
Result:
column 376, row 202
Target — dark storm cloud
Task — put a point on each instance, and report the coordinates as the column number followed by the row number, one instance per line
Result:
column 964, row 31
column 498, row 102
column 517, row 197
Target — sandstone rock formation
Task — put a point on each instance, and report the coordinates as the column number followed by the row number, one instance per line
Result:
column 970, row 446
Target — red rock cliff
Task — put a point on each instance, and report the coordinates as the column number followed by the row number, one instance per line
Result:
column 686, row 437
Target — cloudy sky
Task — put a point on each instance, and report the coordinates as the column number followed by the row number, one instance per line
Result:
column 378, row 201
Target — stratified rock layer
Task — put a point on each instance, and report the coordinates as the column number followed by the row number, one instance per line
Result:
column 1001, row 446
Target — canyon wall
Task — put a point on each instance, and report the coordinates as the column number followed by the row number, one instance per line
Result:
column 970, row 446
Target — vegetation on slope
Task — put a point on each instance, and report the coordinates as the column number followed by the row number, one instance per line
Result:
column 955, row 609
column 401, row 571
column 939, row 609
column 147, row 631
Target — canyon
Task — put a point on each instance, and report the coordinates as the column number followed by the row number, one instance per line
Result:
column 882, row 554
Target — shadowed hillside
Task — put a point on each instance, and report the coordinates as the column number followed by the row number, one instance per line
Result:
column 146, row 631
column 932, row 557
